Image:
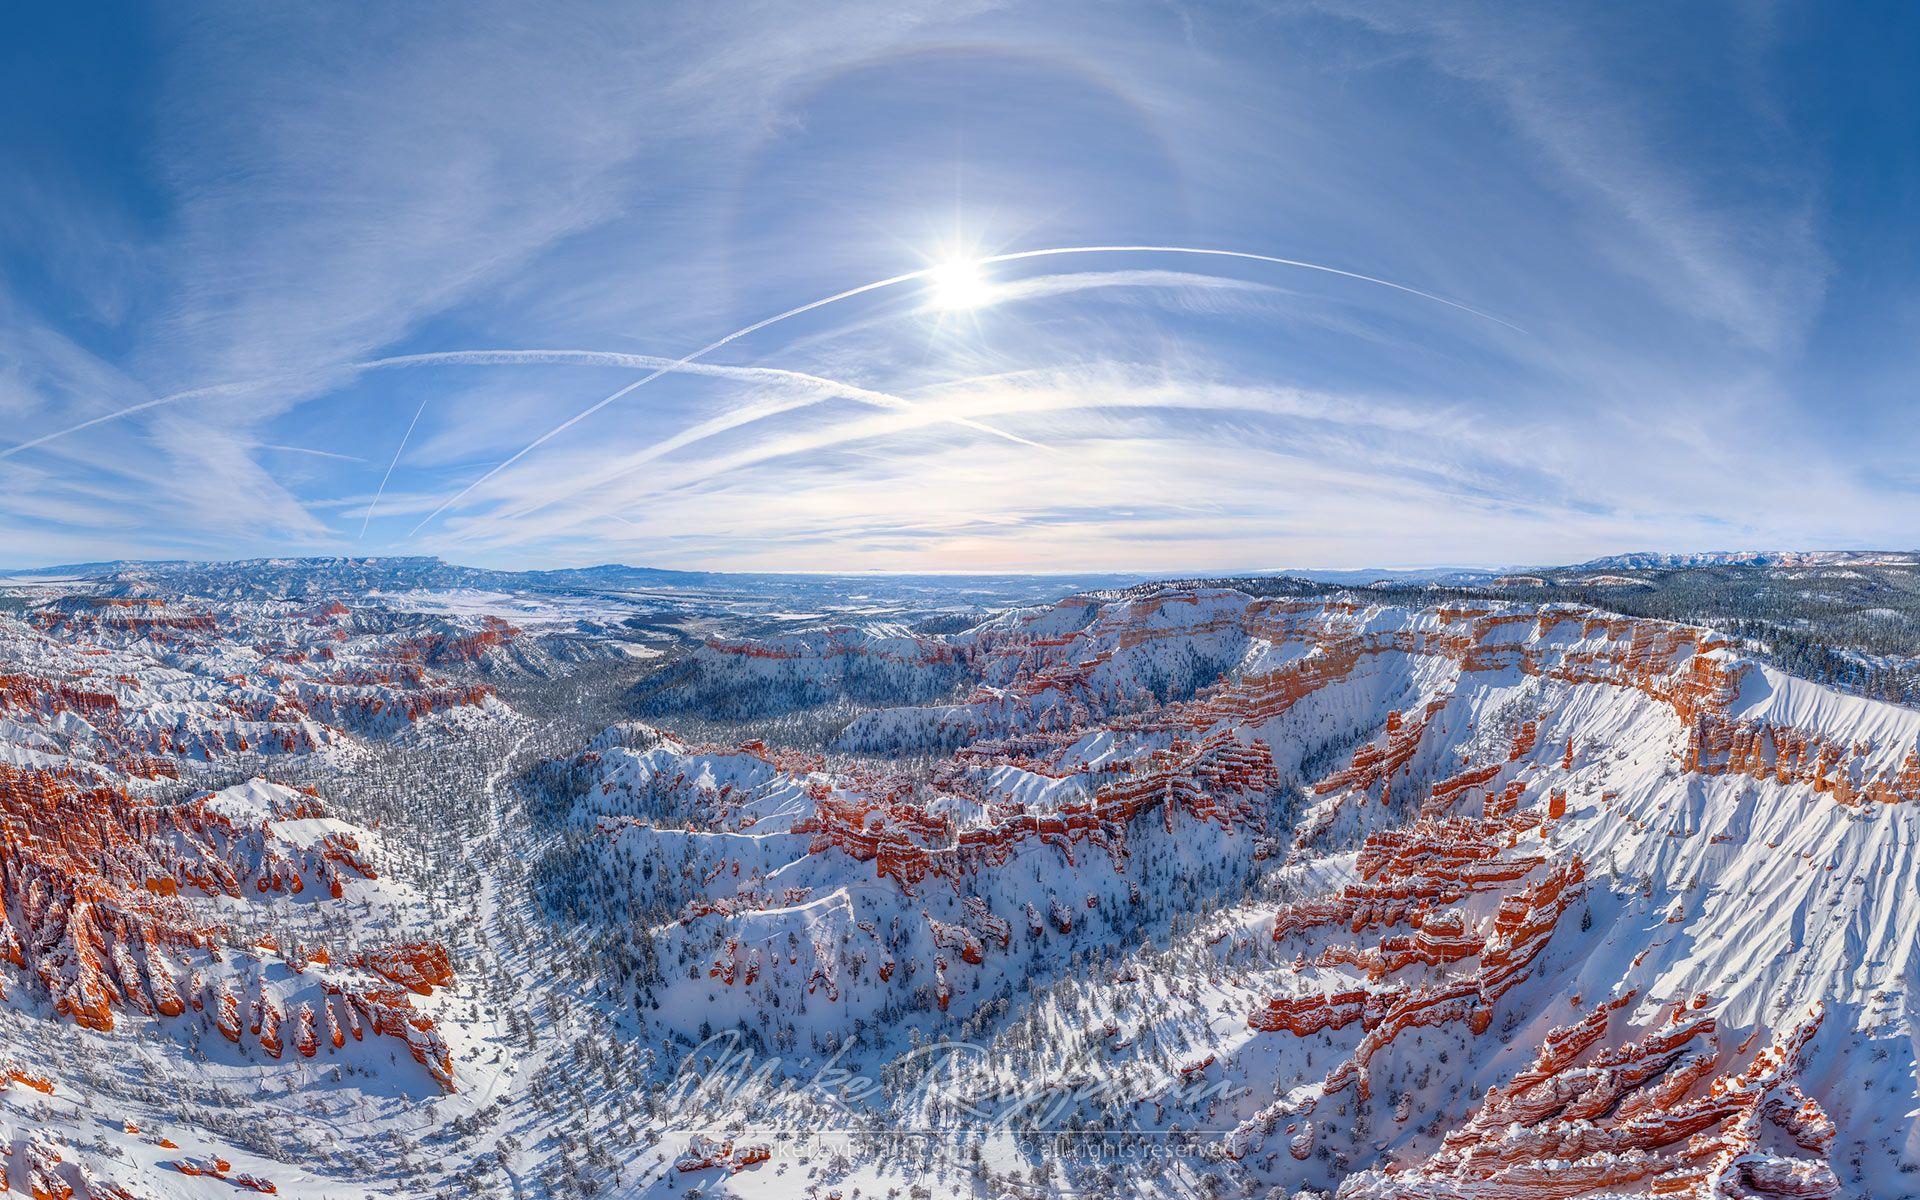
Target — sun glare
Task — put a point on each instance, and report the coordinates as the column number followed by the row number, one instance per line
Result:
column 959, row 285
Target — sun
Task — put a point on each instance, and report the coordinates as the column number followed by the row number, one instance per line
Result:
column 959, row 285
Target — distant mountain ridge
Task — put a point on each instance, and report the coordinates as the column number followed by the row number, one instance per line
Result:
column 329, row 577
column 293, row 577
column 1408, row 576
column 1645, row 560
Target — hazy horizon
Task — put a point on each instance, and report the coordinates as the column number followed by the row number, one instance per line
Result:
column 1297, row 569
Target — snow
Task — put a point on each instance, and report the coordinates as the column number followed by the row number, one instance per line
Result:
column 694, row 856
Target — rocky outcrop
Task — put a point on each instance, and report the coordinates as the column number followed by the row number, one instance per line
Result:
column 1376, row 762
column 96, row 875
column 443, row 649
column 1417, row 878
column 1221, row 779
column 1310, row 1013
column 389, row 1012
column 417, row 966
column 1655, row 1113
column 1782, row 754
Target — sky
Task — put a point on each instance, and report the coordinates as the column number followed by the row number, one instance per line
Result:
column 461, row 279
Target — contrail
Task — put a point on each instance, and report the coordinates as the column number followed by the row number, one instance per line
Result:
column 308, row 450
column 1046, row 400
column 488, row 357
column 1249, row 256
column 483, row 357
column 130, row 410
column 663, row 365
column 737, row 416
column 733, row 418
column 397, row 452
column 658, row 366
column 644, row 380
column 908, row 277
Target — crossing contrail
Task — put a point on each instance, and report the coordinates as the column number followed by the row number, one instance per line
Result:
column 908, row 277
column 610, row 358
column 657, row 366
column 824, row 386
column 833, row 387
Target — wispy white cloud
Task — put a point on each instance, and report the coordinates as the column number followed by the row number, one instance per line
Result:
column 255, row 355
column 1749, row 259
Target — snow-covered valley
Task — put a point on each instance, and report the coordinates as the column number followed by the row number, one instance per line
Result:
column 351, row 886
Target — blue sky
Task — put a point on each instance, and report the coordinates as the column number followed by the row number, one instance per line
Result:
column 1655, row 263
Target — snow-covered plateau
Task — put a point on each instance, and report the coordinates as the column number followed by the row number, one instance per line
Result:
column 375, row 881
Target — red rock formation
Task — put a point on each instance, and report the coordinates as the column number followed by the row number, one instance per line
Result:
column 1582, row 1119
column 117, row 618
column 12, row 1073
column 707, row 1153
column 1410, row 876
column 214, row 1166
column 1427, row 863
column 389, row 1012
column 1376, row 764
column 335, row 1036
column 751, row 1156
column 227, row 1013
column 26, row 694
column 1300, row 1140
column 306, row 1039
column 341, row 851
column 1674, row 664
column 96, row 874
column 1197, row 1068
column 45, row 1181
column 1217, row 780
column 417, row 966
column 440, row 648
column 1060, row 915
column 1310, row 1013
column 1717, row 745
column 269, row 1028
column 959, row 939
column 826, row 969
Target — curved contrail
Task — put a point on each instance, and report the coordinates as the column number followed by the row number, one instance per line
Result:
column 308, row 450
column 831, row 387
column 834, row 387
column 1285, row 403
column 480, row 358
column 659, row 366
column 1249, row 256
column 488, row 357
column 908, row 277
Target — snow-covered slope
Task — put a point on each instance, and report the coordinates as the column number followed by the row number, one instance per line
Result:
column 1647, row 890
column 234, row 940
column 1177, row 891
